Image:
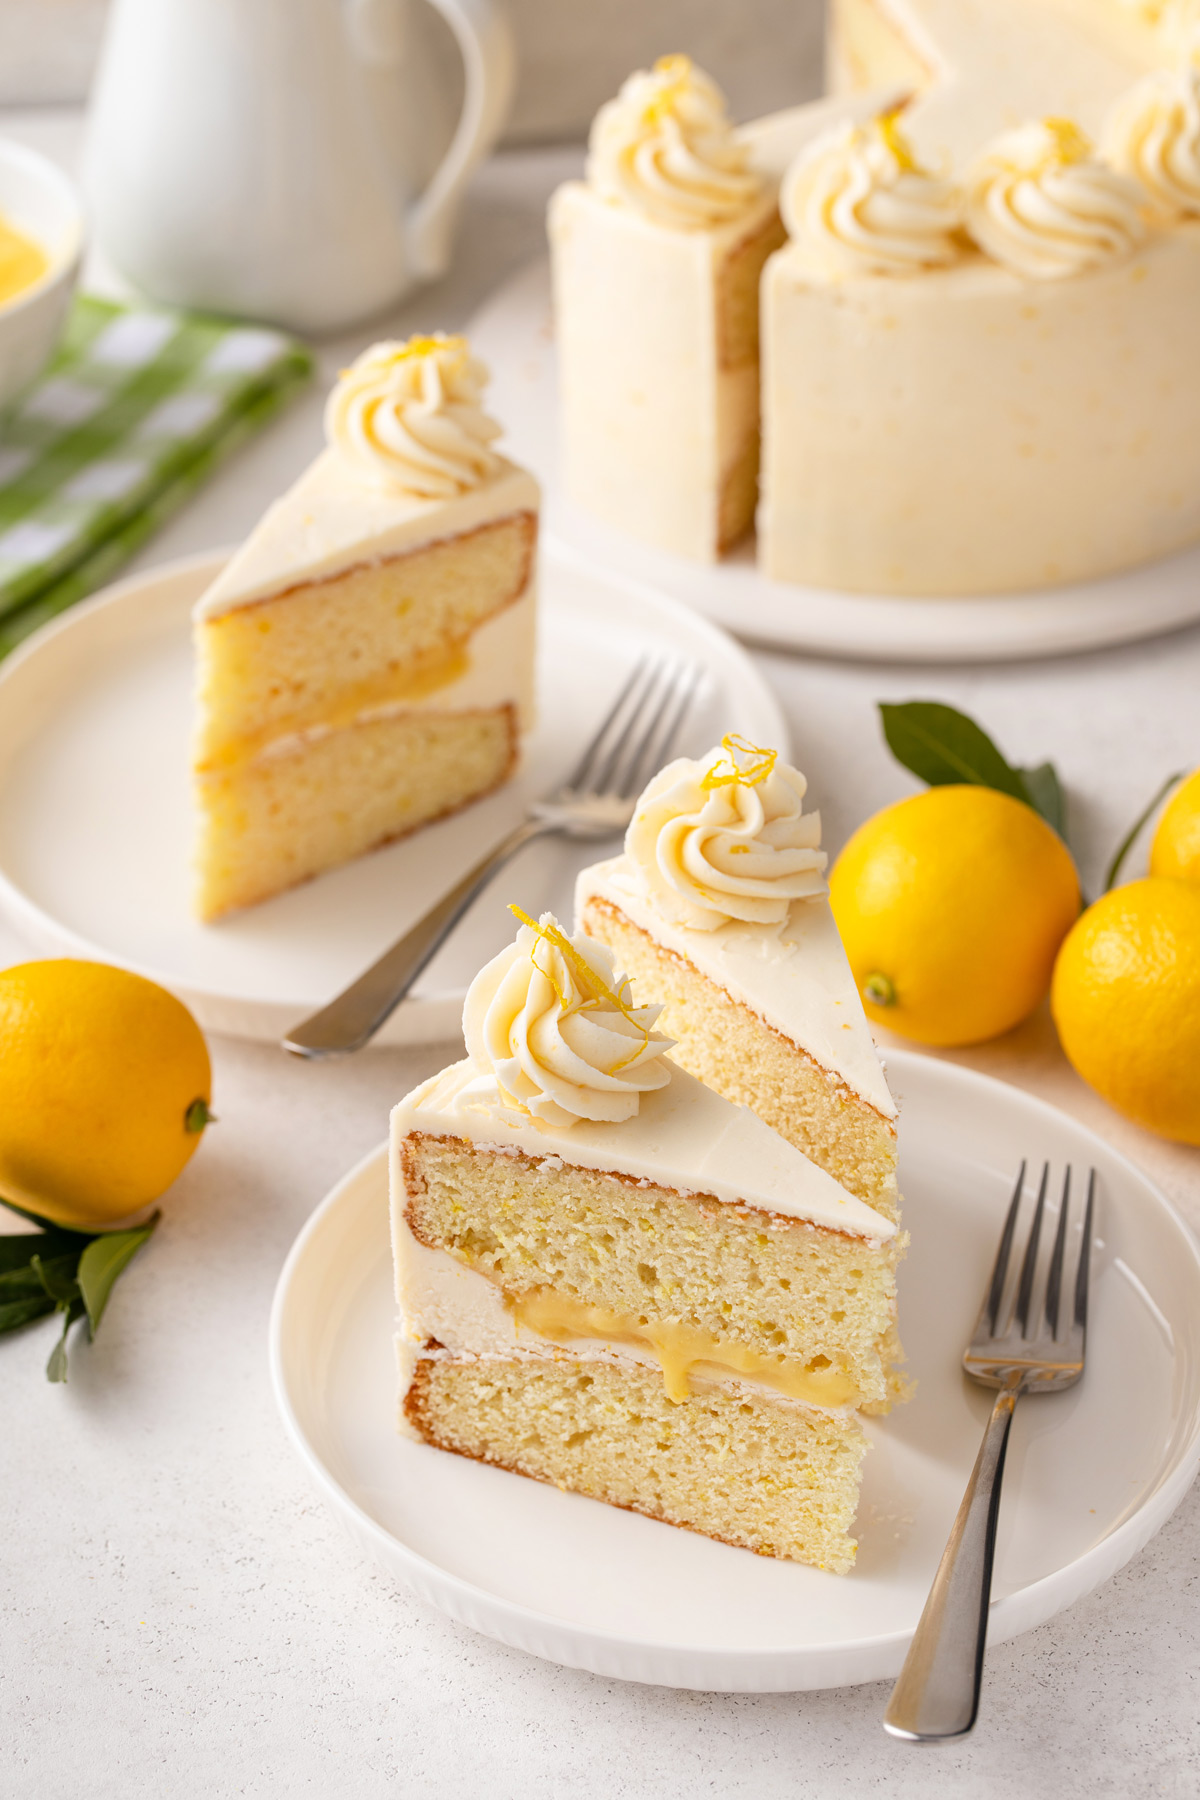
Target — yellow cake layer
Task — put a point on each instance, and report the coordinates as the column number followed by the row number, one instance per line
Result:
column 382, row 632
column 693, row 1279
column 755, row 1472
column 730, row 1048
column 272, row 822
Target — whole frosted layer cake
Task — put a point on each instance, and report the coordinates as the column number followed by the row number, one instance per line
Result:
column 365, row 662
column 613, row 1279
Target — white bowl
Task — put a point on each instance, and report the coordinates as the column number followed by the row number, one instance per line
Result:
column 38, row 200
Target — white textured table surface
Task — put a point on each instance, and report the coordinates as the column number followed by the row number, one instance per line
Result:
column 181, row 1615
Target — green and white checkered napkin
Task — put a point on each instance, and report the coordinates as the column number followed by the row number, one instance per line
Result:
column 137, row 407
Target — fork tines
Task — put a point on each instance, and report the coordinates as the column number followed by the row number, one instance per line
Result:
column 1025, row 1318
column 639, row 728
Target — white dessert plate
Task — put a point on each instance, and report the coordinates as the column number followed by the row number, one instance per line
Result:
column 1092, row 1473
column 514, row 334
column 96, row 818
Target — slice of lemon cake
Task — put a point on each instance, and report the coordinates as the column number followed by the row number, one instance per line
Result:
column 718, row 908
column 656, row 259
column 365, row 661
column 612, row 1279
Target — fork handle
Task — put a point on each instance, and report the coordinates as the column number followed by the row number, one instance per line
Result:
column 351, row 1020
column 937, row 1695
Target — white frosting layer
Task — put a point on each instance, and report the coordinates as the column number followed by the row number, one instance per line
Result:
column 554, row 1023
column 665, row 149
column 332, row 520
column 857, row 203
column 726, row 837
column 1153, row 135
column 684, row 1136
column 1042, row 205
column 409, row 417
column 795, row 976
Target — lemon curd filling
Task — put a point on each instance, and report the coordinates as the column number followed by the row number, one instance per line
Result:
column 680, row 1349
column 22, row 262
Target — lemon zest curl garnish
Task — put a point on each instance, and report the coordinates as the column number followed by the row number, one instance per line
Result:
column 731, row 773
column 596, row 992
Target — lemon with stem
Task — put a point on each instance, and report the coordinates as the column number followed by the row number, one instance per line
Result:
column 951, row 905
column 105, row 1090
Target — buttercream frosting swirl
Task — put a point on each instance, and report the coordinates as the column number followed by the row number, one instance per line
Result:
column 1153, row 135
column 665, row 148
column 1042, row 204
column 556, row 1027
column 726, row 837
column 408, row 415
column 858, row 203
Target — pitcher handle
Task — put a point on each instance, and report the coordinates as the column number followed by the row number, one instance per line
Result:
column 485, row 42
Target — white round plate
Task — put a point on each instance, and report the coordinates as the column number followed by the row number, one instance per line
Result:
column 514, row 334
column 96, row 817
column 1092, row 1473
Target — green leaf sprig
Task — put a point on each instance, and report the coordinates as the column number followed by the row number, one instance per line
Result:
column 942, row 745
column 68, row 1273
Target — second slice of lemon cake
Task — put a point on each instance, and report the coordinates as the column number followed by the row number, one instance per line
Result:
column 365, row 662
column 718, row 907
column 612, row 1279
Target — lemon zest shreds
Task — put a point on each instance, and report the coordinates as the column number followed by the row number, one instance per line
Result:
column 888, row 127
column 596, row 991
column 731, row 772
column 1071, row 144
column 678, row 70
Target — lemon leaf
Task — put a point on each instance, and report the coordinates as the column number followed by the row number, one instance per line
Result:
column 1046, row 795
column 1143, row 818
column 105, row 1258
column 942, row 746
column 14, row 1313
column 56, row 1368
column 16, row 1249
column 59, row 1282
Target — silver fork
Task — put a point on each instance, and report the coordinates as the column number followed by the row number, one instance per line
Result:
column 1018, row 1350
column 596, row 801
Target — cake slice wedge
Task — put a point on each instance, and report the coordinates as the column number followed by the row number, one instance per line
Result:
column 613, row 1279
column 718, row 908
column 365, row 662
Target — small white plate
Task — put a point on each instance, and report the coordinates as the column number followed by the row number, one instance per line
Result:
column 96, row 817
column 514, row 334
column 1092, row 1473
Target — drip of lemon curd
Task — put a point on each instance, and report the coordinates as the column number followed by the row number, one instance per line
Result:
column 22, row 262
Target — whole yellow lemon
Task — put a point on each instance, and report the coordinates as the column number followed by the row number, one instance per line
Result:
column 951, row 906
column 1126, row 1000
column 1175, row 849
column 105, row 1086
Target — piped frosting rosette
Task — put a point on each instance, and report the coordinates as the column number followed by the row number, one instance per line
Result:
column 857, row 202
column 1042, row 204
column 726, row 838
column 409, row 416
column 555, row 1026
column 666, row 149
column 1153, row 136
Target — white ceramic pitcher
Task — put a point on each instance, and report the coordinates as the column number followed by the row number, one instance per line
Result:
column 240, row 159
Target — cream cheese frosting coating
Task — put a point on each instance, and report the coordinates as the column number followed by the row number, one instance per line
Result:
column 683, row 1136
column 409, row 415
column 553, row 1024
column 857, row 202
column 726, row 837
column 1153, row 135
column 665, row 148
column 1042, row 204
